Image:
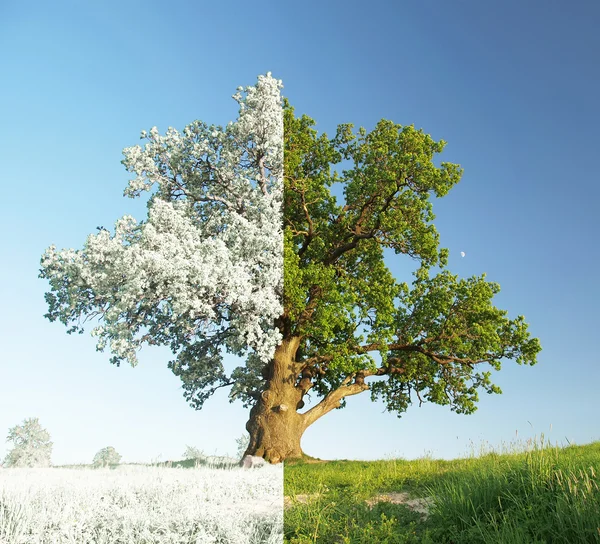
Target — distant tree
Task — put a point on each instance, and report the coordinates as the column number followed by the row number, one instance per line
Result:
column 192, row 452
column 242, row 444
column 32, row 445
column 106, row 456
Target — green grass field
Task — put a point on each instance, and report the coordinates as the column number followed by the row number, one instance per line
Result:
column 528, row 493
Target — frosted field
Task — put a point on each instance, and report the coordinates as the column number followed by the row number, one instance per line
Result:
column 141, row 505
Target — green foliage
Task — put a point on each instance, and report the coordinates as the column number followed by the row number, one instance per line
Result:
column 342, row 300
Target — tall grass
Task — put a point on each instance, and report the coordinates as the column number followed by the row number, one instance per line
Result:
column 141, row 505
column 542, row 494
column 526, row 493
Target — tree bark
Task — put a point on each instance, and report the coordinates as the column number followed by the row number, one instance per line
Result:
column 275, row 426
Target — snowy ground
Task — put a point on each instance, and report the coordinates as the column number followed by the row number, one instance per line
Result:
column 142, row 505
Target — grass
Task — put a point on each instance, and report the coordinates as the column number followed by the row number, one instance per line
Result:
column 141, row 505
column 527, row 493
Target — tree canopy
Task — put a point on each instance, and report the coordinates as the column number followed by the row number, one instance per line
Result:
column 267, row 240
column 342, row 302
column 203, row 273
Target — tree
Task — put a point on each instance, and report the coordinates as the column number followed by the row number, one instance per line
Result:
column 242, row 444
column 191, row 452
column 106, row 456
column 32, row 445
column 346, row 318
column 306, row 297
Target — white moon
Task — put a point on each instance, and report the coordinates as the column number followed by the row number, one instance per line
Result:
column 462, row 253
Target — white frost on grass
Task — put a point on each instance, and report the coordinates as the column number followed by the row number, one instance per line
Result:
column 141, row 504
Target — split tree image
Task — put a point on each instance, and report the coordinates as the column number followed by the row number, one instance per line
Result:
column 247, row 251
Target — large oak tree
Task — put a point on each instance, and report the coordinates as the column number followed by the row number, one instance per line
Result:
column 346, row 318
column 307, row 298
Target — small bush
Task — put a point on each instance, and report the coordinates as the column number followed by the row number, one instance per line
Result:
column 242, row 444
column 192, row 452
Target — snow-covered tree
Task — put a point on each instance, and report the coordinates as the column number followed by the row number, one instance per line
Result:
column 106, row 456
column 203, row 274
column 242, row 444
column 32, row 445
column 191, row 452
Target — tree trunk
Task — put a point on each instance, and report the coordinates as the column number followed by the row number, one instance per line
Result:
column 275, row 426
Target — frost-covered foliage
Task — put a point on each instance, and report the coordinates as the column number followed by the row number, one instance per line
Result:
column 203, row 273
column 192, row 452
column 212, row 461
column 142, row 504
column 106, row 456
column 32, row 445
column 242, row 444
column 217, row 462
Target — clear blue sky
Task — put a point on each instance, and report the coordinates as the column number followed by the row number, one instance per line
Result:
column 513, row 89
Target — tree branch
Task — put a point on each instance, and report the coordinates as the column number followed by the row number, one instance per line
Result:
column 263, row 176
column 333, row 400
column 438, row 358
column 357, row 227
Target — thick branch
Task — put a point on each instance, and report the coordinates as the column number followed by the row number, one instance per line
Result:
column 311, row 231
column 313, row 301
column 333, row 400
column 357, row 228
column 263, row 175
column 438, row 358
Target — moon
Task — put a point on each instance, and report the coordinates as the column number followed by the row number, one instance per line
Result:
column 462, row 253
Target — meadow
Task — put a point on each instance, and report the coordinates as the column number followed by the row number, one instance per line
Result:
column 136, row 504
column 526, row 493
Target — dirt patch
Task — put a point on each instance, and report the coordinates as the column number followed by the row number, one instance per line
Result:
column 421, row 506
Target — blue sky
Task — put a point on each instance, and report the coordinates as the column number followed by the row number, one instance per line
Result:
column 513, row 90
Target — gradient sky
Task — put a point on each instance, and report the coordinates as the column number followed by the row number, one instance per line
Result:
column 514, row 91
